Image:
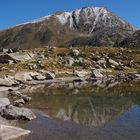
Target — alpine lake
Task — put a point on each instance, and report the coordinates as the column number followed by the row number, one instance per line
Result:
column 84, row 111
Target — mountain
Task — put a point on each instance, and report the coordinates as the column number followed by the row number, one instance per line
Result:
column 96, row 26
column 132, row 41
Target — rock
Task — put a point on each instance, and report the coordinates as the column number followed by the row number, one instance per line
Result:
column 75, row 52
column 19, row 103
column 81, row 73
column 32, row 66
column 69, row 61
column 7, row 81
column 102, row 63
column 20, row 56
column 4, row 102
column 39, row 76
column 12, row 112
column 7, row 50
column 14, row 57
column 4, row 69
column 112, row 62
column 26, row 98
column 10, row 132
column 137, row 76
column 14, row 93
column 97, row 74
column 119, row 67
column 12, row 71
column 23, row 76
column 48, row 75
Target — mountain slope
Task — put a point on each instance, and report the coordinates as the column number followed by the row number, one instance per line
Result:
column 95, row 26
column 131, row 42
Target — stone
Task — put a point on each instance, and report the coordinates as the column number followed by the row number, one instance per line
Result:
column 48, row 75
column 69, row 61
column 23, row 76
column 20, row 56
column 39, row 77
column 4, row 102
column 112, row 62
column 4, row 69
column 81, row 73
column 75, row 52
column 14, row 93
column 26, row 98
column 137, row 76
column 19, row 102
column 12, row 113
column 12, row 71
column 7, row 81
column 97, row 74
column 10, row 132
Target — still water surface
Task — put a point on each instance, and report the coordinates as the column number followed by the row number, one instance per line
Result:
column 85, row 111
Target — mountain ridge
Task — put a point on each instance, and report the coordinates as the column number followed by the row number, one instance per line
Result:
column 99, row 25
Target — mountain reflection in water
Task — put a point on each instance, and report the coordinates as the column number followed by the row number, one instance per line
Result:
column 86, row 104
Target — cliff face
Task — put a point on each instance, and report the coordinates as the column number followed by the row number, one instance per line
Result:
column 95, row 26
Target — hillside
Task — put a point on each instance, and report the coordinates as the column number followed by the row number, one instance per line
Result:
column 132, row 41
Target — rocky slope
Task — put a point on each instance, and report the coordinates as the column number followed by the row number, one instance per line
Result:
column 94, row 26
column 132, row 42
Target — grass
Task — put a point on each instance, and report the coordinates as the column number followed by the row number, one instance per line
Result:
column 51, row 62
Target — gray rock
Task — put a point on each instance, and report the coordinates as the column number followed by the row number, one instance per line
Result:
column 97, row 74
column 82, row 73
column 75, row 52
column 4, row 102
column 20, row 56
column 12, row 112
column 39, row 77
column 112, row 62
column 26, row 98
column 10, row 132
column 19, row 103
column 7, row 81
column 48, row 75
column 23, row 76
column 69, row 61
column 137, row 76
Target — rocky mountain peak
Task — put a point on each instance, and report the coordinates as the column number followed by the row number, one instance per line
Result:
column 88, row 19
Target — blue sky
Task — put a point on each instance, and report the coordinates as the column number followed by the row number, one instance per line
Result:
column 13, row 12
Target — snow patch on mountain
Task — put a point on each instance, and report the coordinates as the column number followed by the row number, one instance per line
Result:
column 93, row 17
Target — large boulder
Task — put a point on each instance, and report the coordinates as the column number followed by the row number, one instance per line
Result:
column 4, row 102
column 7, row 81
column 23, row 76
column 12, row 112
column 10, row 132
